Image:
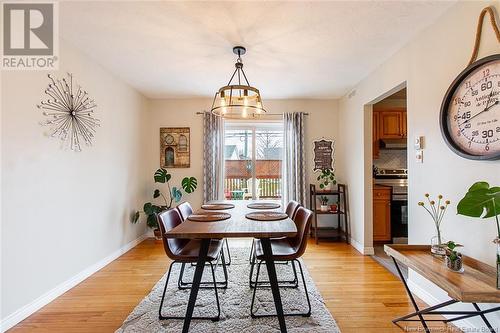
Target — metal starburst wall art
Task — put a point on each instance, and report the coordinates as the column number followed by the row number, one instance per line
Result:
column 70, row 113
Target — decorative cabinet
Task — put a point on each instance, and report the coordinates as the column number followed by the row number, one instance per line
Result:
column 381, row 213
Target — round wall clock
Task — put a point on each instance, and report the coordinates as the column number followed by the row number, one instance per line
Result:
column 470, row 112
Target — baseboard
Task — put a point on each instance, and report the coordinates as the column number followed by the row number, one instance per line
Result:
column 48, row 297
column 367, row 251
column 430, row 299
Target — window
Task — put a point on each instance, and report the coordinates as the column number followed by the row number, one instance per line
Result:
column 252, row 157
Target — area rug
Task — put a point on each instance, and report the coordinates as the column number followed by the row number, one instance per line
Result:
column 235, row 303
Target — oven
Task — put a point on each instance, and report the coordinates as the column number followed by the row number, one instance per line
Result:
column 397, row 179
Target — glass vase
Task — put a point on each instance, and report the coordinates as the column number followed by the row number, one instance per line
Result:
column 436, row 248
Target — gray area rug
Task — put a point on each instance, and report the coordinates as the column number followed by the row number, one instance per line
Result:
column 235, row 303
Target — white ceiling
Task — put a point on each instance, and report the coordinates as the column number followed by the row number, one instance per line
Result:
column 295, row 49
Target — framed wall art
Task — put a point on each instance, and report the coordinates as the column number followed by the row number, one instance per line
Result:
column 323, row 150
column 175, row 147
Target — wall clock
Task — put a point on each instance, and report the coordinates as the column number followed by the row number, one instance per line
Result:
column 470, row 112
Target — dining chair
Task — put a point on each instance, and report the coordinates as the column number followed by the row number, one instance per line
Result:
column 185, row 209
column 290, row 210
column 286, row 249
column 186, row 251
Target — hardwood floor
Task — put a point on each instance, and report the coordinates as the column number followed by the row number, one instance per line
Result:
column 361, row 294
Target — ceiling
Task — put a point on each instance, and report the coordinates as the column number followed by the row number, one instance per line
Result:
column 294, row 49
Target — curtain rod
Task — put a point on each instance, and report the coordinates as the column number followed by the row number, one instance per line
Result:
column 266, row 114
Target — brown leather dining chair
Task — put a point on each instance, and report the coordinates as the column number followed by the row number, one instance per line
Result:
column 185, row 209
column 186, row 251
column 286, row 249
column 290, row 210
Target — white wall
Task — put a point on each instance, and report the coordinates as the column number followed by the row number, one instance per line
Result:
column 321, row 122
column 63, row 211
column 428, row 65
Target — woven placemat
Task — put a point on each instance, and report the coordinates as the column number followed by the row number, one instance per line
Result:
column 266, row 216
column 217, row 206
column 209, row 217
column 263, row 205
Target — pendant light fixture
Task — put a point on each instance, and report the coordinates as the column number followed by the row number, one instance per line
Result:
column 238, row 100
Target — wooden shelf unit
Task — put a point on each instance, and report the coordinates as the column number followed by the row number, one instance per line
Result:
column 342, row 229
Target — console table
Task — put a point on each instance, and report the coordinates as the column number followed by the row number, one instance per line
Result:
column 477, row 284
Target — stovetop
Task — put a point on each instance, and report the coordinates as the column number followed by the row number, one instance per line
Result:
column 390, row 173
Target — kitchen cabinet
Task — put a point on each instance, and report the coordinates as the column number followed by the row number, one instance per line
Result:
column 375, row 129
column 392, row 124
column 381, row 213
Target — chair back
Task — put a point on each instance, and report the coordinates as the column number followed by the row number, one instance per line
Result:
column 167, row 220
column 302, row 219
column 291, row 208
column 185, row 210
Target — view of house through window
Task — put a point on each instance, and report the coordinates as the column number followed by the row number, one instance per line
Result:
column 253, row 157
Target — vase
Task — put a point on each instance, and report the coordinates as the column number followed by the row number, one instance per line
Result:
column 324, row 208
column 436, row 248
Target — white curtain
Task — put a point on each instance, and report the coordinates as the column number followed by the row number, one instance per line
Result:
column 213, row 157
column 294, row 181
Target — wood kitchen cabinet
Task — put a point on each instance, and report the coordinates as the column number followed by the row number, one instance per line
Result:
column 375, row 129
column 392, row 124
column 381, row 213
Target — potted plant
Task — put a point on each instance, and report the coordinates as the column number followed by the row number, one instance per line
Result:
column 151, row 210
column 453, row 258
column 326, row 178
column 436, row 211
column 333, row 207
column 483, row 201
column 324, row 203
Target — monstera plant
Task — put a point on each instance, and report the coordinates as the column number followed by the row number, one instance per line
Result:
column 173, row 194
column 483, row 201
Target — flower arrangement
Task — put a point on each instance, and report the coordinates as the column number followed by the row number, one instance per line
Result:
column 436, row 211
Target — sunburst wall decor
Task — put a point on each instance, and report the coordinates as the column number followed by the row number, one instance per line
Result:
column 70, row 113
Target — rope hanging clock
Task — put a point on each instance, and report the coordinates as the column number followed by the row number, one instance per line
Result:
column 70, row 113
column 470, row 112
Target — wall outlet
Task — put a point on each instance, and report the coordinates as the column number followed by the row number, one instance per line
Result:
column 419, row 156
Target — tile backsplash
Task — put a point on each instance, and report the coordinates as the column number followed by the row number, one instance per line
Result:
column 391, row 159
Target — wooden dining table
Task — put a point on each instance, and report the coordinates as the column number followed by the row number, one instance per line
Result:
column 238, row 226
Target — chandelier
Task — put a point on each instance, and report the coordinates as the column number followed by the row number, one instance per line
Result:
column 238, row 100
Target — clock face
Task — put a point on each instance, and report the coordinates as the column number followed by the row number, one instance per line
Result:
column 470, row 114
column 169, row 139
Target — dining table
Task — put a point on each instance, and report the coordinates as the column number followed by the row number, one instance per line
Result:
column 237, row 226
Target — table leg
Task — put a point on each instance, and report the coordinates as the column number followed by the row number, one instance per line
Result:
column 422, row 320
column 198, row 273
column 271, row 271
column 483, row 317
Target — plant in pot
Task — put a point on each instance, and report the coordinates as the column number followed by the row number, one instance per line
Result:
column 324, row 203
column 453, row 258
column 326, row 178
column 174, row 194
column 483, row 201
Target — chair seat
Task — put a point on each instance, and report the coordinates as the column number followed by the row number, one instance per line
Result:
column 191, row 251
column 281, row 247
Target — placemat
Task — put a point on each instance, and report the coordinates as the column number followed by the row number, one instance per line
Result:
column 217, row 206
column 263, row 205
column 209, row 217
column 266, row 216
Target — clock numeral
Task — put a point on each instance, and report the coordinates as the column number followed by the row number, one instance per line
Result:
column 467, row 84
column 475, row 133
column 468, row 125
column 498, row 129
column 457, row 100
column 487, row 85
column 487, row 134
column 466, row 115
column 467, row 104
column 475, row 92
column 486, row 72
column 487, row 147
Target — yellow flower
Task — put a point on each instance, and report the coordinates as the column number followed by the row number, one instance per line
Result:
column 440, row 196
column 442, row 207
column 420, row 203
column 426, row 195
column 447, row 202
column 433, row 202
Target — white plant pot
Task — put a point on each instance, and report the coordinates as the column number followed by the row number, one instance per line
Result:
column 324, row 208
